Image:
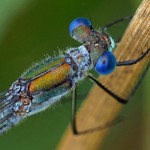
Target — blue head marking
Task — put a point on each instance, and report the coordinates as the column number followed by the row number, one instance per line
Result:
column 106, row 63
column 79, row 22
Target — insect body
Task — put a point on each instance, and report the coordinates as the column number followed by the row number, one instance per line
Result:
column 46, row 82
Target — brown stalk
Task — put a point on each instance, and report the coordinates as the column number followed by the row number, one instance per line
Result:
column 99, row 108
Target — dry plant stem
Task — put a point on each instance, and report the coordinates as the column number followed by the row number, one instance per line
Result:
column 100, row 108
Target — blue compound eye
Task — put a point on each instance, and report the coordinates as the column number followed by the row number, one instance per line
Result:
column 79, row 22
column 106, row 63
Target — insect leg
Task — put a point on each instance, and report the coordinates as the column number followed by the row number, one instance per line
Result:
column 125, row 63
column 73, row 117
column 114, row 22
column 132, row 62
column 119, row 99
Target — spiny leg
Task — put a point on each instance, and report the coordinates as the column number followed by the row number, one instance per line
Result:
column 139, row 81
column 132, row 62
column 114, row 22
column 73, row 117
column 119, row 99
column 74, row 122
column 125, row 63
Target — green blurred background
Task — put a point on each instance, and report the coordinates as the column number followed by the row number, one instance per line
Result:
column 31, row 29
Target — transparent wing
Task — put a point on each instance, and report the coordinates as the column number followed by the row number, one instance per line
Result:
column 5, row 103
column 7, row 117
column 5, row 100
column 3, row 96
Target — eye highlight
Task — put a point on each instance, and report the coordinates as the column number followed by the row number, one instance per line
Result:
column 106, row 63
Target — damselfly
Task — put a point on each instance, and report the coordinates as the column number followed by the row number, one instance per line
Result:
column 48, row 81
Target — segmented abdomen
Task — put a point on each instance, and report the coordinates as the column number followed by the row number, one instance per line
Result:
column 44, row 84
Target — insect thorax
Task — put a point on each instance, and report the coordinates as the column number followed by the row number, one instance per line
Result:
column 79, row 59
